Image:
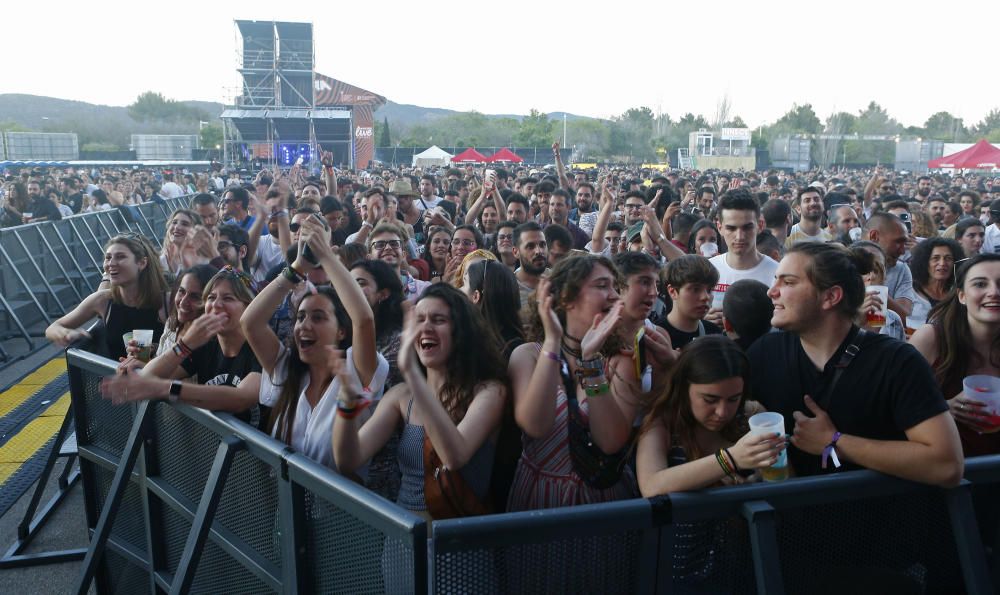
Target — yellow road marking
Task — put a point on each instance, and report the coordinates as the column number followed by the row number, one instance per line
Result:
column 12, row 398
column 31, row 437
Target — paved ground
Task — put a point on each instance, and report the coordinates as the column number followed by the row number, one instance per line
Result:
column 65, row 530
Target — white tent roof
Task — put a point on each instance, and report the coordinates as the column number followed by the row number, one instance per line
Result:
column 432, row 156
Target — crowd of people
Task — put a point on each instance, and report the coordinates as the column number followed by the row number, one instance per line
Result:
column 464, row 340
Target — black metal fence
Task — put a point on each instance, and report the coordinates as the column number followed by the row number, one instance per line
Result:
column 179, row 499
column 47, row 268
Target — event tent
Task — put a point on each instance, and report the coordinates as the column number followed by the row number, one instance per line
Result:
column 505, row 155
column 432, row 156
column 981, row 155
column 469, row 155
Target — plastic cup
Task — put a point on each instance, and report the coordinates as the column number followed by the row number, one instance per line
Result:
column 877, row 319
column 145, row 340
column 709, row 249
column 985, row 389
column 27, row 216
column 914, row 324
column 771, row 423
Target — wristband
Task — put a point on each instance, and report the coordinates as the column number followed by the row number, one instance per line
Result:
column 740, row 472
column 175, row 390
column 596, row 363
column 597, row 391
column 720, row 458
column 181, row 349
column 292, row 275
column 551, row 355
column 353, row 410
column 830, row 452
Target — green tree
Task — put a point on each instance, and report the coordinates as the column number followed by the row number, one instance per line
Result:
column 383, row 136
column 211, row 136
column 944, row 126
column 536, row 130
column 154, row 106
column 989, row 123
column 799, row 119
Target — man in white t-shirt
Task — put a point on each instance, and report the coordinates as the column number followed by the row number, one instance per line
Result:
column 739, row 217
column 810, row 203
column 170, row 189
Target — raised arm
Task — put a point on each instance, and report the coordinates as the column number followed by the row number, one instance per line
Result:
column 476, row 208
column 535, row 376
column 603, row 218
column 563, row 180
column 317, row 236
column 456, row 445
column 254, row 321
column 355, row 439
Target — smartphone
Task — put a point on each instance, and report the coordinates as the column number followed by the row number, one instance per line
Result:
column 307, row 253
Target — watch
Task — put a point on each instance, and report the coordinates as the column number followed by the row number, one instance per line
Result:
column 175, row 390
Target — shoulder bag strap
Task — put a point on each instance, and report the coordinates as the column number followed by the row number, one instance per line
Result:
column 845, row 360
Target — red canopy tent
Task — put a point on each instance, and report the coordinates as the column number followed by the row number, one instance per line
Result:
column 469, row 155
column 981, row 155
column 505, row 155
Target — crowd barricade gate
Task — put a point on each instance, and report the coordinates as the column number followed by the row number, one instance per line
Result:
column 47, row 268
column 183, row 500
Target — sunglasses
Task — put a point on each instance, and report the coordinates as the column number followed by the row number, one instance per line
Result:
column 229, row 271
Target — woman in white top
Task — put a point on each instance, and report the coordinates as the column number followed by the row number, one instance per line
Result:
column 299, row 382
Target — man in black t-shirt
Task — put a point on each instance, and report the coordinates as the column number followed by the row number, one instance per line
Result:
column 690, row 280
column 883, row 411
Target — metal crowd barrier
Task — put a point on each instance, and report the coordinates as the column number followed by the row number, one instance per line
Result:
column 47, row 268
column 183, row 500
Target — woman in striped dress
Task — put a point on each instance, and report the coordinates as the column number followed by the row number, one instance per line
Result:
column 572, row 343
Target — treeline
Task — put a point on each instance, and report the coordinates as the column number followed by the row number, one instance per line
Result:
column 639, row 134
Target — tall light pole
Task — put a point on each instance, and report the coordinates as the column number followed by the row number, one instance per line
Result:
column 564, row 129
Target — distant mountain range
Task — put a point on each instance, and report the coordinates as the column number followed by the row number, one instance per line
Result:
column 97, row 123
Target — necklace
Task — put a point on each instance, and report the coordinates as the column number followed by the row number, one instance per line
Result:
column 577, row 353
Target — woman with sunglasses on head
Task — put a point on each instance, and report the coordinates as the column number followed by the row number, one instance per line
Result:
column 298, row 380
column 212, row 349
column 453, row 398
column 132, row 296
column 963, row 339
column 188, row 304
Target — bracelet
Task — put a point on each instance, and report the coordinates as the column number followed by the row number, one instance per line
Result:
column 181, row 349
column 596, row 363
column 830, row 452
column 740, row 472
column 720, row 458
column 292, row 275
column 353, row 410
column 551, row 355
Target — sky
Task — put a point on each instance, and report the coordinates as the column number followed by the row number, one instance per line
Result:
column 586, row 58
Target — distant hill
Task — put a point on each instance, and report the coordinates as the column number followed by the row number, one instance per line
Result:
column 112, row 124
column 105, row 124
column 403, row 114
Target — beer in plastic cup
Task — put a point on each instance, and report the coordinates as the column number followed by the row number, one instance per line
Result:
column 877, row 319
column 27, row 216
column 985, row 389
column 913, row 324
column 145, row 340
column 770, row 422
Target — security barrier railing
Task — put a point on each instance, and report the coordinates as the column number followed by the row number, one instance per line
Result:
column 47, row 268
column 183, row 500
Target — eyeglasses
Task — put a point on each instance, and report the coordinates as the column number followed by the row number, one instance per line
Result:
column 381, row 244
column 461, row 242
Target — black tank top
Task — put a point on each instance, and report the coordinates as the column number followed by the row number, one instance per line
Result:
column 121, row 319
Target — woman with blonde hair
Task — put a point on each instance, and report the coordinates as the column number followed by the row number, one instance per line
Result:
column 468, row 260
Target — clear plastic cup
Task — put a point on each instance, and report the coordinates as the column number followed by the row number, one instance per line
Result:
column 985, row 389
column 877, row 319
column 770, row 422
column 145, row 340
column 709, row 249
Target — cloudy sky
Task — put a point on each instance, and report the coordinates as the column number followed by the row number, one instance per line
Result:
column 595, row 59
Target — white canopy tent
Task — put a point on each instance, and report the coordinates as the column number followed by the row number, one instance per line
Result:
column 432, row 156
